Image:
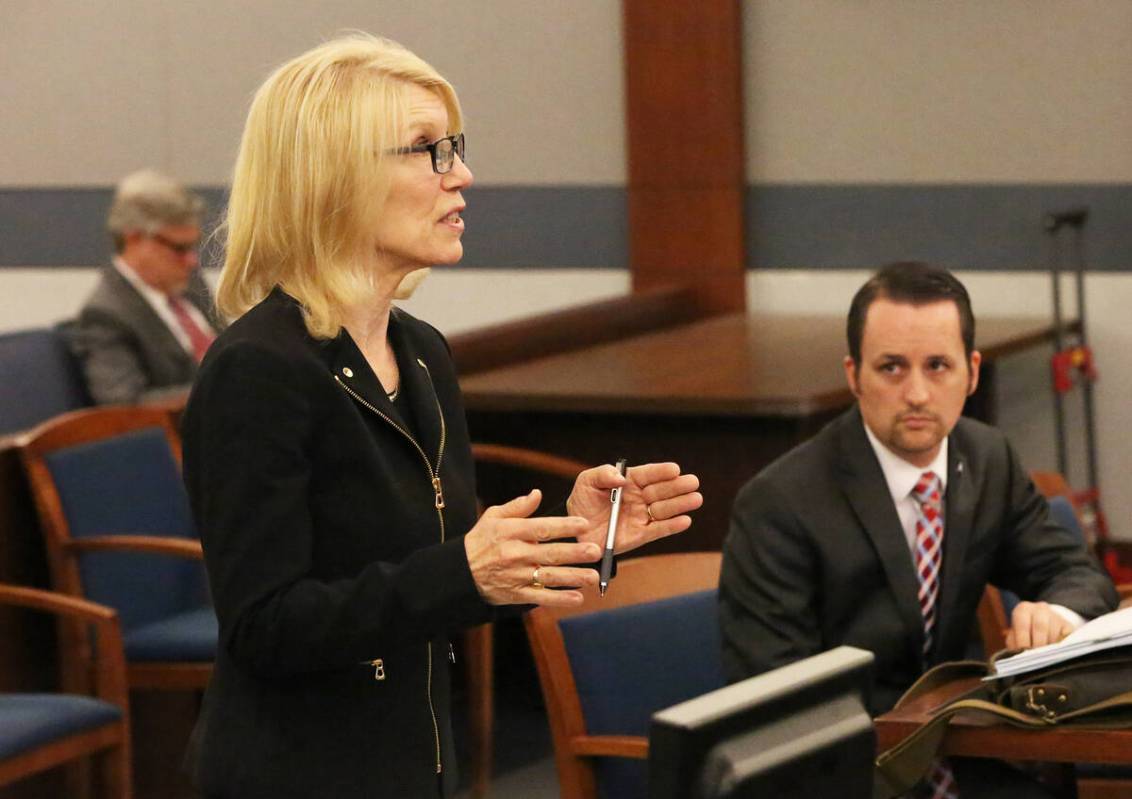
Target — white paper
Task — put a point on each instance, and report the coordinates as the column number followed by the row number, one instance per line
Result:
column 1104, row 632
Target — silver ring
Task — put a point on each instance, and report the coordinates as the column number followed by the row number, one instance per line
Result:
column 648, row 510
column 535, row 582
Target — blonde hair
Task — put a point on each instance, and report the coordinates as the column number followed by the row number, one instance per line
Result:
column 146, row 201
column 310, row 177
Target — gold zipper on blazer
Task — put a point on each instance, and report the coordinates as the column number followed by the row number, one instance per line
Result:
column 438, row 490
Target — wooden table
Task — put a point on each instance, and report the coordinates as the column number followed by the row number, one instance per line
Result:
column 981, row 736
column 724, row 396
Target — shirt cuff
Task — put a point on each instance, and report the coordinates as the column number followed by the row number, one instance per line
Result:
column 1071, row 616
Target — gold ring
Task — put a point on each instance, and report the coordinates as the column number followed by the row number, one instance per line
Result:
column 535, row 582
column 648, row 510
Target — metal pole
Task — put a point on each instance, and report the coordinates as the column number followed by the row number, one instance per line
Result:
column 1087, row 388
column 1052, row 225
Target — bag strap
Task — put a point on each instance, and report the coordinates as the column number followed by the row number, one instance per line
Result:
column 900, row 768
column 904, row 765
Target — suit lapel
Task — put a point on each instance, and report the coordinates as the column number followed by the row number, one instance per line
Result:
column 198, row 294
column 151, row 329
column 958, row 516
column 868, row 494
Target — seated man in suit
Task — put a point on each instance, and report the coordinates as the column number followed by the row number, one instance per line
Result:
column 883, row 530
column 148, row 322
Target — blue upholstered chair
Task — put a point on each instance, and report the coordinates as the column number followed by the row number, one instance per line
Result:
column 116, row 521
column 607, row 666
column 41, row 731
column 41, row 379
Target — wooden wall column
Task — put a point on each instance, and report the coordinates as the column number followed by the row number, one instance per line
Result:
column 684, row 105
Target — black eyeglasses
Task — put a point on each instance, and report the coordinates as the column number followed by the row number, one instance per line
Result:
column 181, row 248
column 443, row 152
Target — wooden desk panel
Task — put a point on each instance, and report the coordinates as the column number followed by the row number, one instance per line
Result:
column 730, row 365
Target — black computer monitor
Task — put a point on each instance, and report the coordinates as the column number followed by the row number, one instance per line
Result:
column 803, row 730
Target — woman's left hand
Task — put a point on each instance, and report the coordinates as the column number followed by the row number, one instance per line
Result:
column 655, row 501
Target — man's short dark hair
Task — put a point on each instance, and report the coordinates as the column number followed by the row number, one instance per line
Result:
column 915, row 283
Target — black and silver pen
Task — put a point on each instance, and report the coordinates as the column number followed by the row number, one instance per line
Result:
column 611, row 533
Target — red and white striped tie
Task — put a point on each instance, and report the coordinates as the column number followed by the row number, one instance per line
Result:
column 928, row 557
column 928, row 551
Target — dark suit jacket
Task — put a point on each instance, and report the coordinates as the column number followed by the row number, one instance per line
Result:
column 326, row 550
column 127, row 352
column 816, row 556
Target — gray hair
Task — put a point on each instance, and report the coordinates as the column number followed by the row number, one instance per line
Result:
column 147, row 201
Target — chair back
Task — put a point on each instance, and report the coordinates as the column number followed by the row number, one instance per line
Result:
column 608, row 665
column 504, row 472
column 114, row 471
column 42, row 379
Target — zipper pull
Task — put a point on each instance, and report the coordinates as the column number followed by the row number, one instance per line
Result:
column 439, row 492
column 451, row 655
column 378, row 669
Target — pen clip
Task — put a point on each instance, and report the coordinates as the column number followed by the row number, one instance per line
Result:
column 614, row 493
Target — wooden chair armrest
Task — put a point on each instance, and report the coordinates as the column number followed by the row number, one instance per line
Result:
column 523, row 458
column 156, row 544
column 634, row 746
column 51, row 602
column 110, row 667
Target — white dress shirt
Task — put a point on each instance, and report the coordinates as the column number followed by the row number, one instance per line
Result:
column 902, row 476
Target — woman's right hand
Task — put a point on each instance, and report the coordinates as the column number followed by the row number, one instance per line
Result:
column 507, row 551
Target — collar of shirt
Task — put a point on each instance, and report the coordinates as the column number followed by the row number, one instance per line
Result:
column 901, row 478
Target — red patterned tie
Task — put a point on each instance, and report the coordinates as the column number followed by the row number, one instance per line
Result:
column 928, row 551
column 198, row 338
column 928, row 557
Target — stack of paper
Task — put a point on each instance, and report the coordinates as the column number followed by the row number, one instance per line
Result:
column 1104, row 632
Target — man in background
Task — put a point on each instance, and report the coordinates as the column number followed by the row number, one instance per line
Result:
column 883, row 530
column 143, row 331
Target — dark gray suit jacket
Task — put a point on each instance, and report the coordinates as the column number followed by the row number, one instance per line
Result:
column 127, row 353
column 816, row 556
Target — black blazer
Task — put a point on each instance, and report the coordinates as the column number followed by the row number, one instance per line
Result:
column 816, row 556
column 333, row 540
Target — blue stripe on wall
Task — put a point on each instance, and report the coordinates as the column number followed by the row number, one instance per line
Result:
column 969, row 226
column 964, row 226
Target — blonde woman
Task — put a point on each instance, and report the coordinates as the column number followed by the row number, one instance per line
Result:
column 327, row 455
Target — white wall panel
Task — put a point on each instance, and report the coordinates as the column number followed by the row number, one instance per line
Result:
column 91, row 91
column 895, row 91
column 82, row 91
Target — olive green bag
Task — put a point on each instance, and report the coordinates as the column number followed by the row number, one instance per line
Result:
column 1092, row 691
